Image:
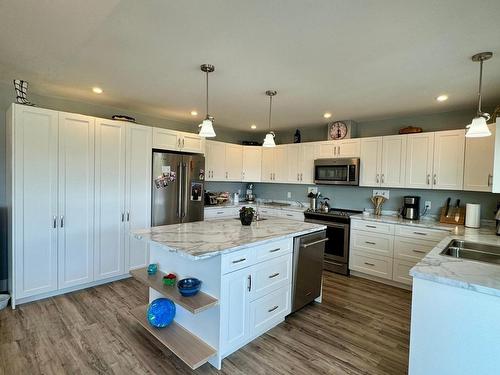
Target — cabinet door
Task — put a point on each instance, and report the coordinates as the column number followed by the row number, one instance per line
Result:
column 252, row 160
column 137, row 193
column 393, row 161
column 370, row 160
column 76, row 200
column 449, row 160
column 109, row 256
column 215, row 161
column 479, row 155
column 419, row 160
column 267, row 164
column 234, row 309
column 35, row 137
column 292, row 163
column 164, row 139
column 348, row 148
column 191, row 142
column 327, row 149
column 233, row 162
column 307, row 154
column 280, row 164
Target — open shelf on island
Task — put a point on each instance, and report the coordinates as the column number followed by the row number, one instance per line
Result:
column 194, row 304
column 189, row 348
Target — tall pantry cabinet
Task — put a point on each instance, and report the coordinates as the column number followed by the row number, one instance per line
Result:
column 76, row 185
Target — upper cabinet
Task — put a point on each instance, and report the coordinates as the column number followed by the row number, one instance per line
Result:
column 252, row 160
column 370, row 161
column 346, row 148
column 224, row 161
column 234, row 162
column 479, row 155
column 419, row 160
column 166, row 139
column 449, row 147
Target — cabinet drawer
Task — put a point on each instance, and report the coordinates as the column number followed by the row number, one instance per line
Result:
column 268, row 311
column 372, row 226
column 411, row 249
column 219, row 213
column 266, row 212
column 371, row 265
column 293, row 215
column 420, row 233
column 379, row 244
column 271, row 275
column 237, row 260
column 401, row 271
column 273, row 249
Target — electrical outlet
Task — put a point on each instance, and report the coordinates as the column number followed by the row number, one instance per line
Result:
column 428, row 205
column 383, row 193
column 312, row 189
column 289, row 195
column 239, row 191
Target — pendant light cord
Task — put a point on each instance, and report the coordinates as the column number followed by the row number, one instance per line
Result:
column 207, row 93
column 270, row 110
column 479, row 111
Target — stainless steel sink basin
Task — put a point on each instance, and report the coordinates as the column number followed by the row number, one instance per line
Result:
column 473, row 251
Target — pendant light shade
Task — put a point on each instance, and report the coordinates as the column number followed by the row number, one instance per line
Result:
column 478, row 127
column 269, row 139
column 207, row 126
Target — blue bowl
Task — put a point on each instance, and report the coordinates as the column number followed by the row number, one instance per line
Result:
column 189, row 287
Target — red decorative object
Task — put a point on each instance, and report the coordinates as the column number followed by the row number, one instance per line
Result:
column 169, row 279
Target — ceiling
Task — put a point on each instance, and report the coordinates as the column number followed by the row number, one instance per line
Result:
column 357, row 59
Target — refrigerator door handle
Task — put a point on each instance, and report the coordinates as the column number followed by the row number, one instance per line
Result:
column 186, row 190
column 179, row 197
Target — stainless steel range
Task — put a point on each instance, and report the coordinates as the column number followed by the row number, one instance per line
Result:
column 338, row 224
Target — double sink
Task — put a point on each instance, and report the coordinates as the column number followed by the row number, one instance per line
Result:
column 473, row 251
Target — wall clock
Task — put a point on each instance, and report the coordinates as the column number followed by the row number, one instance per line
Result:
column 339, row 130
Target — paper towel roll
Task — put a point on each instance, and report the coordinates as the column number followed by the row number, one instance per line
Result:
column 472, row 215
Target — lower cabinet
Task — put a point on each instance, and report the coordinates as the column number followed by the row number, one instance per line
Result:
column 257, row 297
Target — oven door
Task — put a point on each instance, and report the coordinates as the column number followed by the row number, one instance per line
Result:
column 336, row 171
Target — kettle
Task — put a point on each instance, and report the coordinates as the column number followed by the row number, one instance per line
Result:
column 324, row 206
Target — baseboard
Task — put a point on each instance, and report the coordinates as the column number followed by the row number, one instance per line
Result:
column 20, row 301
column 381, row 280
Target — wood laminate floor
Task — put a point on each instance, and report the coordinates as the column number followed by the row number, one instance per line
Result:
column 362, row 327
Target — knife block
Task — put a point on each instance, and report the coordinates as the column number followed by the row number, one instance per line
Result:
column 455, row 216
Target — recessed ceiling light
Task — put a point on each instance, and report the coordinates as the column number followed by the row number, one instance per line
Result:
column 442, row 98
column 253, row 126
column 327, row 115
column 96, row 90
column 194, row 113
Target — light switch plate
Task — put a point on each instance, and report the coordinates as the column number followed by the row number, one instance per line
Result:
column 312, row 189
column 383, row 193
column 289, row 195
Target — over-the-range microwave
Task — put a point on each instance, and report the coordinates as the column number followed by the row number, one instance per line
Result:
column 343, row 171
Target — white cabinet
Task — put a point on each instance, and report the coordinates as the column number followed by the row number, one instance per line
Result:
column 370, row 161
column 346, row 148
column 166, row 139
column 274, row 164
column 32, row 153
column 109, row 254
column 479, row 155
column 137, row 193
column 293, row 163
column 419, row 160
column 449, row 160
column 233, row 162
column 215, row 161
column 76, row 200
column 307, row 154
column 252, row 161
column 267, row 164
column 383, row 161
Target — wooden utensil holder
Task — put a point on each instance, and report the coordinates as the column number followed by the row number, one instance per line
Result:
column 454, row 217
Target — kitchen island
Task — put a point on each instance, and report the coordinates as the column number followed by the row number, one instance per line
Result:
column 246, row 274
column 455, row 310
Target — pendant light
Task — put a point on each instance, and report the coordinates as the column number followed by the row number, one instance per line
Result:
column 269, row 140
column 478, row 127
column 207, row 127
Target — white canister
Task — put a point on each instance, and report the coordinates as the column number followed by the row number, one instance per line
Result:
column 472, row 215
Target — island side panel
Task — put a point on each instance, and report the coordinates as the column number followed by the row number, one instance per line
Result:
column 205, row 324
column 453, row 330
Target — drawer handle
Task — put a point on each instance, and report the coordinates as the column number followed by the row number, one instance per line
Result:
column 239, row 260
column 308, row 293
column 419, row 251
column 306, row 245
column 249, row 283
column 370, row 243
column 420, row 233
column 220, row 212
column 274, row 308
column 288, row 214
column 371, row 226
column 274, row 275
column 370, row 264
column 274, row 250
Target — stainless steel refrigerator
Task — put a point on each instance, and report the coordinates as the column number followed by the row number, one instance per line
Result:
column 177, row 188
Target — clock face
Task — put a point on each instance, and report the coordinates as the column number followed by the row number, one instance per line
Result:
column 337, row 130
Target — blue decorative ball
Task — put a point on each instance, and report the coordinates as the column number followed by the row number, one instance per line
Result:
column 161, row 312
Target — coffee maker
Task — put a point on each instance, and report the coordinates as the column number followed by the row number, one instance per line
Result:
column 411, row 207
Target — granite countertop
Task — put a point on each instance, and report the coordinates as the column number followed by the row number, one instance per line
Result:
column 204, row 239
column 429, row 223
column 295, row 208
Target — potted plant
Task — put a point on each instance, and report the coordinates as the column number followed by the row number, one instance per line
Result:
column 246, row 215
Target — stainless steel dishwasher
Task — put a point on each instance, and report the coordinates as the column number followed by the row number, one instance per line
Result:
column 308, row 254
